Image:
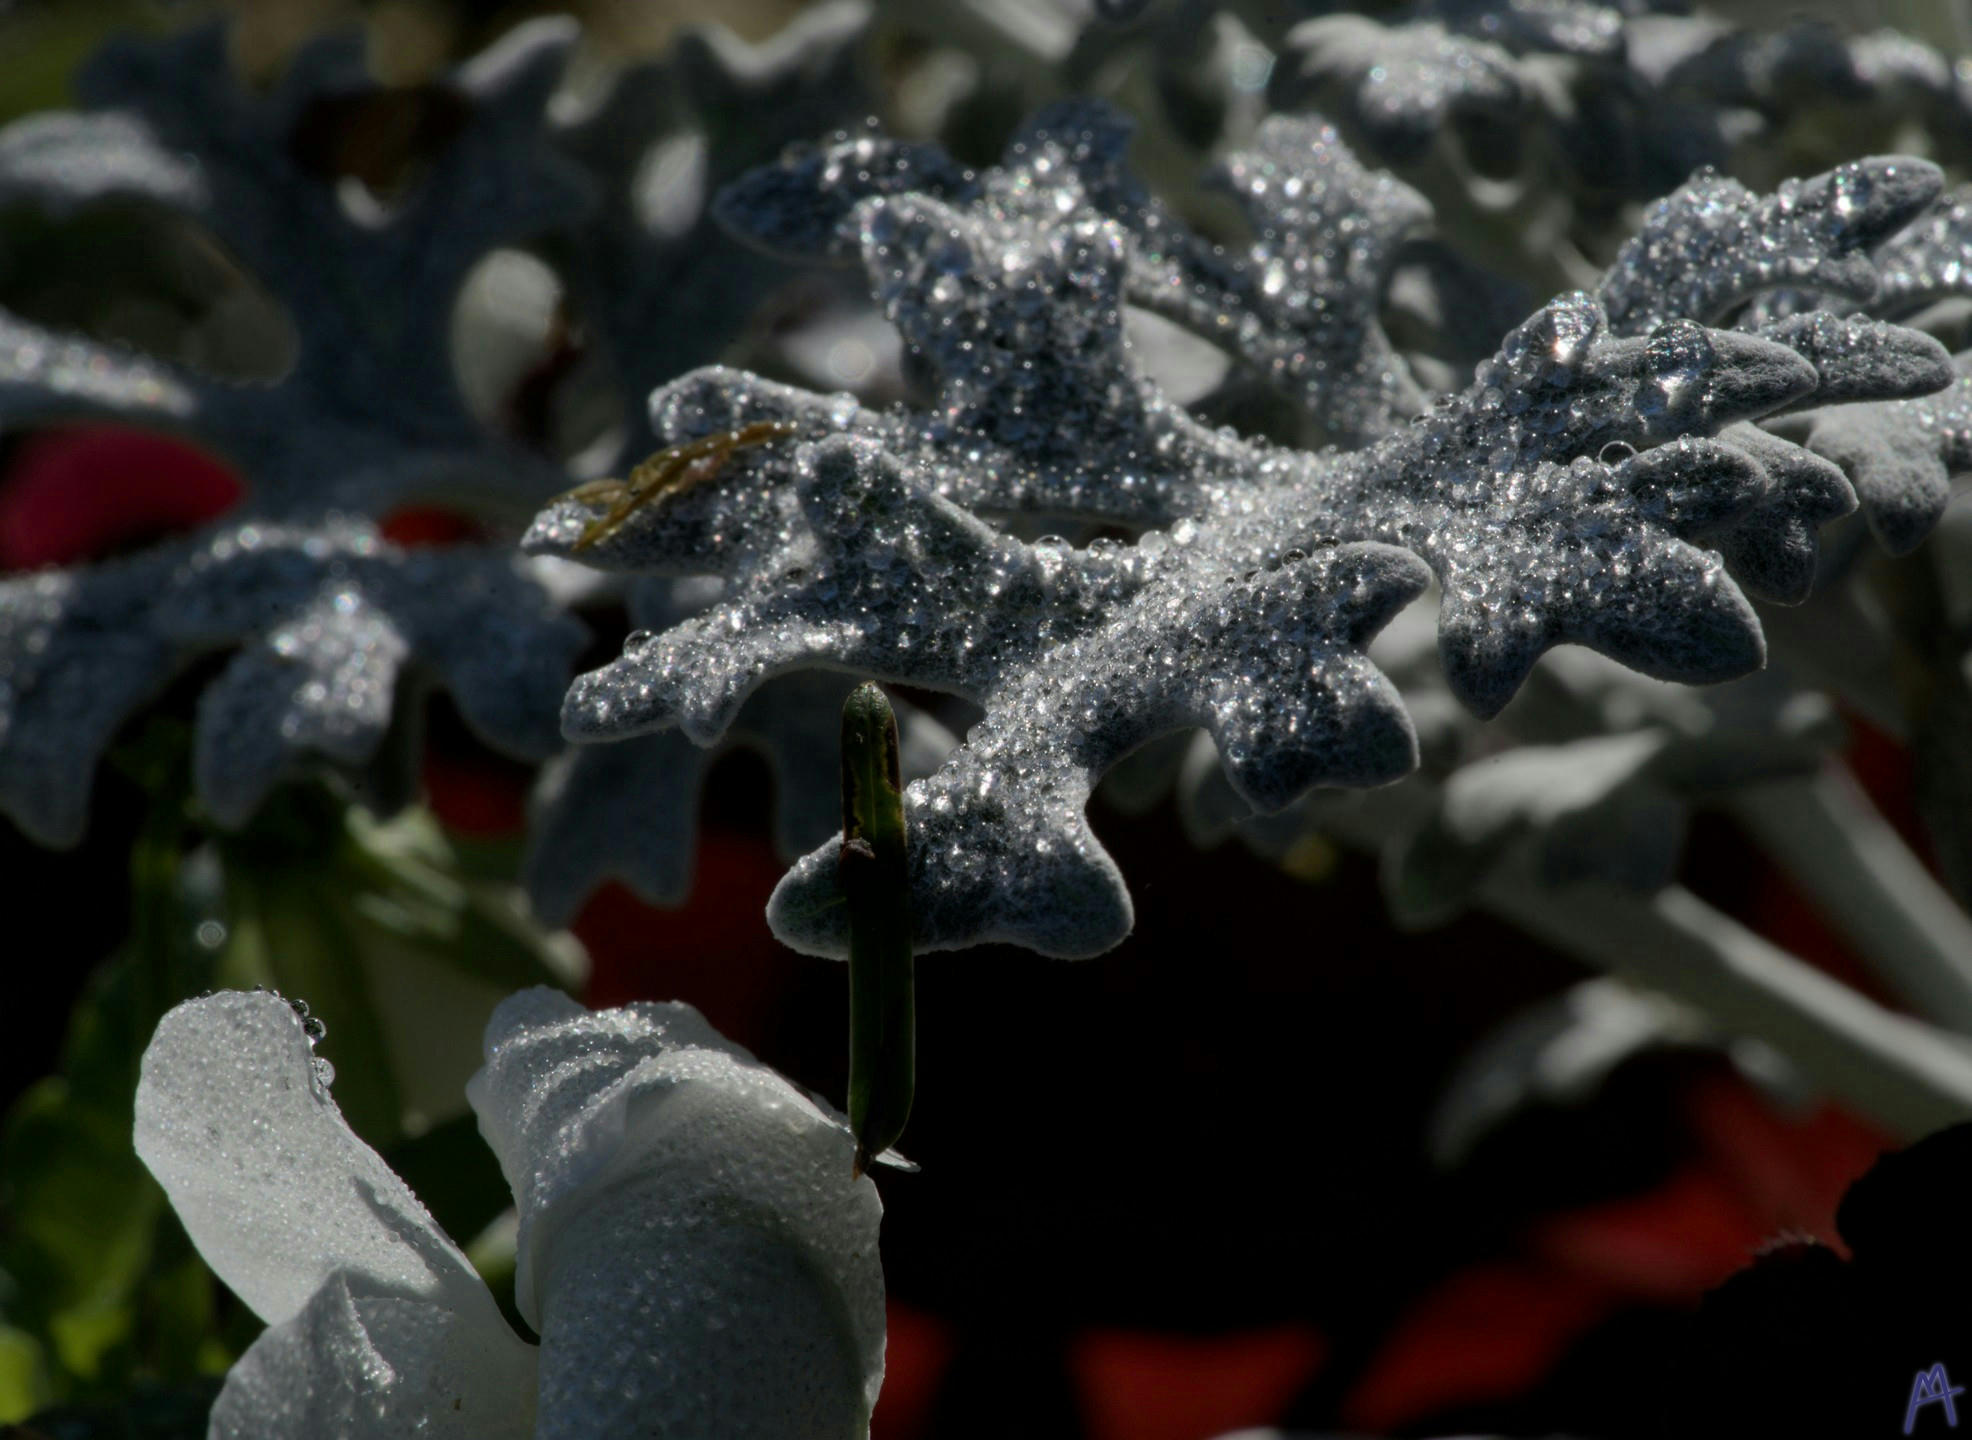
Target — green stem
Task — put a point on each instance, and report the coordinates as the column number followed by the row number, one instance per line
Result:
column 875, row 877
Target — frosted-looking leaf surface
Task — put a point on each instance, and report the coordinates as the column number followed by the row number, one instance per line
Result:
column 1298, row 305
column 688, row 1227
column 329, row 615
column 1900, row 455
column 1592, row 485
column 370, row 416
column 631, row 811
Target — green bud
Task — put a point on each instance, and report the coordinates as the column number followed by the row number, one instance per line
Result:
column 875, row 878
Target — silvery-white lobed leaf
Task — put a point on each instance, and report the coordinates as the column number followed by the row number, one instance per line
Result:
column 1592, row 803
column 1605, row 768
column 75, row 660
column 1928, row 260
column 1606, row 790
column 1302, row 304
column 1714, row 244
column 1810, row 65
column 371, row 413
column 370, row 416
column 1890, row 59
column 630, row 811
column 45, row 376
column 328, row 614
column 1774, row 70
column 1847, row 234
column 853, row 543
column 1397, row 85
column 1045, row 388
column 694, row 1252
column 1899, row 455
column 799, row 207
column 1400, row 78
column 1299, row 305
column 650, row 269
column 1560, row 27
column 603, row 812
column 688, row 1228
column 1772, row 549
column 321, row 683
column 62, row 162
column 474, row 616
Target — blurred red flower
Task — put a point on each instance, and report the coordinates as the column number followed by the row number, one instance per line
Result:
column 81, row 493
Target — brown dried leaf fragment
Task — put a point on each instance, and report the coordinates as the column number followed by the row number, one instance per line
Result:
column 669, row 471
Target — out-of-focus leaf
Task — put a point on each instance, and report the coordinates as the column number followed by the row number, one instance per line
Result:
column 45, row 43
column 80, row 1210
column 1558, row 1052
column 149, row 1412
column 1591, row 796
column 1936, row 687
column 396, row 948
column 23, row 1375
column 416, row 886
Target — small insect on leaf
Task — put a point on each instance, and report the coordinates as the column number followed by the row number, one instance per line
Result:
column 876, row 882
column 669, row 471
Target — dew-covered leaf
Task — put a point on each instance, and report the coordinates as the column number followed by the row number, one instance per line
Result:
column 328, row 615
column 1567, row 495
column 1714, row 244
column 62, row 161
column 369, row 416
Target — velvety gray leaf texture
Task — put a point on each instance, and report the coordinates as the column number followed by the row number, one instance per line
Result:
column 1566, row 495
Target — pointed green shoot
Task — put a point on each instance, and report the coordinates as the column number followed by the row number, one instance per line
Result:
column 876, row 883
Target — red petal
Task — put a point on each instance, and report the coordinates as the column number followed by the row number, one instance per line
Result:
column 715, row 952
column 475, row 791
column 1488, row 1333
column 1793, row 1171
column 415, row 526
column 916, row 1351
column 1671, row 1244
column 1143, row 1386
column 74, row 494
column 1884, row 766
